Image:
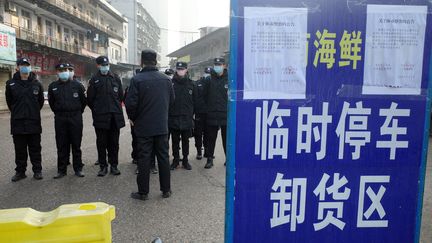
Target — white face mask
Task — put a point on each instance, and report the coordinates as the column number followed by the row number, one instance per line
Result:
column 71, row 74
column 181, row 73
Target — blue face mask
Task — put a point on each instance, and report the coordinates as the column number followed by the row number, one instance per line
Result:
column 218, row 69
column 25, row 69
column 104, row 69
column 64, row 76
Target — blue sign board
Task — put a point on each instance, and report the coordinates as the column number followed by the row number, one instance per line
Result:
column 329, row 109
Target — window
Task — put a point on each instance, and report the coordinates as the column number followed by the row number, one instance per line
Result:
column 66, row 34
column 49, row 28
column 25, row 20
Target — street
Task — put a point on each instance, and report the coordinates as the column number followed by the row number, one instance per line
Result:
column 194, row 213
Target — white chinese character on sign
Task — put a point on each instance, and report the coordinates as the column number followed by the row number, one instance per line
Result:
column 271, row 141
column 305, row 121
column 331, row 207
column 394, row 130
column 357, row 134
column 289, row 206
column 363, row 217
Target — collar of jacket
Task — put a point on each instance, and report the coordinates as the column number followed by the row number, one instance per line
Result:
column 108, row 74
column 148, row 69
column 17, row 76
column 215, row 75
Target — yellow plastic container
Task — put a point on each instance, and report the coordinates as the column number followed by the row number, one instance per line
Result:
column 89, row 222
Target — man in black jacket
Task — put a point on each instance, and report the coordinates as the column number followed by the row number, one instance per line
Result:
column 67, row 100
column 147, row 105
column 216, row 93
column 25, row 99
column 104, row 97
column 180, row 121
column 200, row 111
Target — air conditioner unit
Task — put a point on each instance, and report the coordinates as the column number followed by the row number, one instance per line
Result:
column 10, row 7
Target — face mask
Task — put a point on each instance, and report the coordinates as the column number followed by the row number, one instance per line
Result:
column 71, row 74
column 181, row 73
column 25, row 69
column 64, row 76
column 104, row 69
column 206, row 75
column 218, row 69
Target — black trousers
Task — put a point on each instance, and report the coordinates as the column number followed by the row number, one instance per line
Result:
column 200, row 132
column 212, row 132
column 134, row 153
column 32, row 143
column 176, row 136
column 107, row 140
column 158, row 144
column 69, row 134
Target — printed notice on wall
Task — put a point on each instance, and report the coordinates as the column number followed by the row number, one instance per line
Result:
column 275, row 53
column 395, row 38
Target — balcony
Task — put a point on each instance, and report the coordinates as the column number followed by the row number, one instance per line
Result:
column 67, row 11
column 51, row 42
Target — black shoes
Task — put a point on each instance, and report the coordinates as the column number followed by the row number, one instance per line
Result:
column 199, row 154
column 18, row 177
column 59, row 175
column 209, row 163
column 103, row 171
column 38, row 176
column 186, row 164
column 166, row 194
column 175, row 164
column 115, row 170
column 139, row 196
column 79, row 173
column 153, row 170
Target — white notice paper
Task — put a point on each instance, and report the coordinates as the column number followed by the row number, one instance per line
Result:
column 395, row 37
column 275, row 53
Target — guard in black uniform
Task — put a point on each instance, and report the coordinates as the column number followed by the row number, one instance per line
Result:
column 216, row 94
column 25, row 99
column 147, row 104
column 200, row 111
column 104, row 97
column 180, row 120
column 67, row 100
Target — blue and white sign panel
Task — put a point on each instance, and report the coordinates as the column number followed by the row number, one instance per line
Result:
column 329, row 113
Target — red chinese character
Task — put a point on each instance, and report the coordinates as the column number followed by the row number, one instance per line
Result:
column 1, row 40
column 5, row 41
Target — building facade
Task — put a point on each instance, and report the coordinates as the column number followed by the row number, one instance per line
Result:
column 214, row 42
column 50, row 31
column 143, row 31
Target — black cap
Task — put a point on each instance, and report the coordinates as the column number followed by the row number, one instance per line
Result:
column 219, row 61
column 70, row 65
column 169, row 71
column 61, row 66
column 102, row 60
column 148, row 55
column 208, row 70
column 181, row 65
column 21, row 61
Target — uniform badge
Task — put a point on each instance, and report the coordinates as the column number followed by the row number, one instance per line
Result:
column 35, row 92
column 226, row 86
column 12, row 84
column 75, row 95
column 115, row 89
column 54, row 89
column 190, row 92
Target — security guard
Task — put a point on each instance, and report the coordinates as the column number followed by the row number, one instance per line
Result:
column 147, row 104
column 104, row 97
column 200, row 111
column 216, row 94
column 25, row 99
column 180, row 121
column 67, row 100
column 169, row 72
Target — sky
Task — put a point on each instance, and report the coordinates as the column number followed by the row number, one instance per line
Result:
column 178, row 18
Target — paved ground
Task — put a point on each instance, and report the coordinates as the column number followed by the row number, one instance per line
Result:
column 195, row 212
